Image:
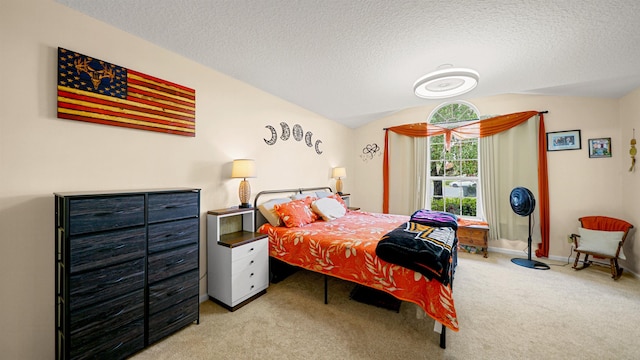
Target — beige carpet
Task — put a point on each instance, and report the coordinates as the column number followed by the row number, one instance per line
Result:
column 505, row 312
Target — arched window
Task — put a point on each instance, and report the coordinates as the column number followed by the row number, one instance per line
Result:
column 453, row 175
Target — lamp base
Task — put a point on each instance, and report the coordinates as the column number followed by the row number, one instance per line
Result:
column 244, row 193
column 339, row 186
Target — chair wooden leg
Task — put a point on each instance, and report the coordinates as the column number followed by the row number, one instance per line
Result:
column 585, row 263
column 575, row 263
column 616, row 270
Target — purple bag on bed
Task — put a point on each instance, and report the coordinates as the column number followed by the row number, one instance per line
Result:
column 435, row 218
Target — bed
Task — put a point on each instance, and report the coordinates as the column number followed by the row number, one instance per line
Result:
column 345, row 247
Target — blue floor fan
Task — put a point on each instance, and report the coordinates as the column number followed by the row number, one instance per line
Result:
column 523, row 203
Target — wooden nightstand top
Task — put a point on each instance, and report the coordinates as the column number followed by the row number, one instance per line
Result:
column 240, row 238
column 231, row 210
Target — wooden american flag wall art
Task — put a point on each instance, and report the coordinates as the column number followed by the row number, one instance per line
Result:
column 96, row 91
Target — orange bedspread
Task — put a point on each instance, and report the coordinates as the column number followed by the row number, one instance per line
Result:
column 345, row 248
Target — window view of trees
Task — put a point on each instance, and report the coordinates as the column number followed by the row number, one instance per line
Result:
column 453, row 174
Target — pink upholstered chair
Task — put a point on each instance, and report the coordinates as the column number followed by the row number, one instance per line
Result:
column 601, row 237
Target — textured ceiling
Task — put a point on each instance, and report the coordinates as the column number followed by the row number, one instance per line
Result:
column 354, row 61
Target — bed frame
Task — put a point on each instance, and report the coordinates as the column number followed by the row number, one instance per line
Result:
column 261, row 220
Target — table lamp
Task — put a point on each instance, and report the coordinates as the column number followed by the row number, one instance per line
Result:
column 338, row 174
column 244, row 168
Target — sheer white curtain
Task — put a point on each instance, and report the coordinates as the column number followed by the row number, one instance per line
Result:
column 508, row 160
column 408, row 174
column 420, row 184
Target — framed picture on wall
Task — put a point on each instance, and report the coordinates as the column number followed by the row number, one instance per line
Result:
column 564, row 140
column 599, row 148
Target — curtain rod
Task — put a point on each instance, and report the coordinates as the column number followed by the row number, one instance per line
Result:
column 539, row 112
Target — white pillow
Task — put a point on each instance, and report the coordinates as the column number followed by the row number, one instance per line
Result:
column 322, row 194
column 328, row 208
column 601, row 242
column 266, row 209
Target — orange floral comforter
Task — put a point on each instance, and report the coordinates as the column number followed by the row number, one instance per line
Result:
column 345, row 248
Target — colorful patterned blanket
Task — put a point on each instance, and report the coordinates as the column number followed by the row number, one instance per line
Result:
column 422, row 248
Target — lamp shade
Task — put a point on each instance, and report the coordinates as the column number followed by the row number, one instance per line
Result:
column 339, row 172
column 243, row 168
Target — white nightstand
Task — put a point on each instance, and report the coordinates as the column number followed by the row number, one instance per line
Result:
column 347, row 201
column 346, row 198
column 237, row 258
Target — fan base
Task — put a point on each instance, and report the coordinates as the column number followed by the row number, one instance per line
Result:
column 532, row 264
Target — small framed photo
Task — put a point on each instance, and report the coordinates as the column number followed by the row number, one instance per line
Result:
column 564, row 140
column 600, row 148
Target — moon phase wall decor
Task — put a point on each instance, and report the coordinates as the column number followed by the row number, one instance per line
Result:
column 285, row 132
column 298, row 134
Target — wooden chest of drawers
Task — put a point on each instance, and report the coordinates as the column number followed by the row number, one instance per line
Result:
column 475, row 235
column 127, row 270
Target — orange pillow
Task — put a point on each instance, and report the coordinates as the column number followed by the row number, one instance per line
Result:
column 308, row 199
column 309, row 202
column 295, row 213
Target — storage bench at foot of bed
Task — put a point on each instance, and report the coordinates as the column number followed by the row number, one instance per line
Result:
column 474, row 235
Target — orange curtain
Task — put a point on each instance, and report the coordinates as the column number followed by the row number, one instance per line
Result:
column 481, row 128
column 543, row 191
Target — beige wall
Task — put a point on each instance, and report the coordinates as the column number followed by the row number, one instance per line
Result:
column 630, row 120
column 578, row 185
column 40, row 154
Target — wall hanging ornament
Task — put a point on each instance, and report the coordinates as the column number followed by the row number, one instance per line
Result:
column 369, row 151
column 96, row 91
column 633, row 152
column 298, row 135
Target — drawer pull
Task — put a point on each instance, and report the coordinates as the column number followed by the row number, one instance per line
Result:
column 119, row 312
column 251, row 263
column 117, row 346
column 171, row 293
column 106, row 213
column 175, row 234
column 116, row 281
column 177, row 318
column 252, row 286
column 250, row 250
column 119, row 247
column 179, row 261
column 171, row 206
column 251, row 275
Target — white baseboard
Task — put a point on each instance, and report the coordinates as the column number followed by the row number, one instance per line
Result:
column 519, row 253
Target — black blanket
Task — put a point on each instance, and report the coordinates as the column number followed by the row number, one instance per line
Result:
column 422, row 248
